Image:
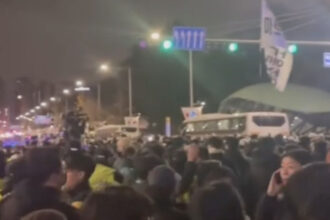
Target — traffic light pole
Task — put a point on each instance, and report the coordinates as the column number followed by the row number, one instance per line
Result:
column 228, row 40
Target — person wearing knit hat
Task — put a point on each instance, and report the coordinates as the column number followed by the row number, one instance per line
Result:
column 161, row 187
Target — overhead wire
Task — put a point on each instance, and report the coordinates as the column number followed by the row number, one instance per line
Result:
column 257, row 20
column 281, row 21
column 307, row 23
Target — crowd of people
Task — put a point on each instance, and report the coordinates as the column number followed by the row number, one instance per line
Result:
column 173, row 179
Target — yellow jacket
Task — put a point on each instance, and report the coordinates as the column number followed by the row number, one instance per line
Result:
column 102, row 177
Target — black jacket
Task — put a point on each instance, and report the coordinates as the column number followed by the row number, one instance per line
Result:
column 272, row 208
column 80, row 193
column 187, row 177
column 28, row 197
column 167, row 210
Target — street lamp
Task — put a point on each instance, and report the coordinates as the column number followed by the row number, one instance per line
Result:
column 44, row 104
column 38, row 107
column 155, row 36
column 79, row 83
column 66, row 91
column 19, row 97
column 104, row 67
column 32, row 111
column 130, row 95
column 52, row 99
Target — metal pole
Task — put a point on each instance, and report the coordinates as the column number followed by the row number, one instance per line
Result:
column 99, row 97
column 262, row 30
column 66, row 105
column 191, row 79
column 130, row 95
column 39, row 96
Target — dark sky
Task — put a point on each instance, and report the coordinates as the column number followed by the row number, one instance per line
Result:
column 61, row 39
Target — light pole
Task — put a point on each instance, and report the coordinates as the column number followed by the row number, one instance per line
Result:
column 130, row 95
column 105, row 68
column 191, row 79
column 66, row 93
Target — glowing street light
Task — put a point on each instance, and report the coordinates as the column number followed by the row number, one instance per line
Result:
column 79, row 83
column 155, row 36
column 44, row 104
column 52, row 99
column 38, row 107
column 66, row 91
column 104, row 67
column 19, row 97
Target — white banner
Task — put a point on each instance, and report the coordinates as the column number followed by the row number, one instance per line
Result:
column 191, row 112
column 278, row 60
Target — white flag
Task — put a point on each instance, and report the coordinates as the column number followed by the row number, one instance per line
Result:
column 278, row 60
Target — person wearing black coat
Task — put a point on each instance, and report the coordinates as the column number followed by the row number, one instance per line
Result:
column 272, row 205
column 41, row 189
column 161, row 187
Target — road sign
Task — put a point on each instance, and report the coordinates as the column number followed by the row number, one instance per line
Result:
column 189, row 38
column 326, row 60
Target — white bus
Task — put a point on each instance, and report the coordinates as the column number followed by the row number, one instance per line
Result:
column 117, row 131
column 240, row 124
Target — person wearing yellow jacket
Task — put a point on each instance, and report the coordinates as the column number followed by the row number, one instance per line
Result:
column 102, row 177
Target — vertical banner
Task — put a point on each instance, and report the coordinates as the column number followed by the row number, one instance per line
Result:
column 278, row 60
column 168, row 127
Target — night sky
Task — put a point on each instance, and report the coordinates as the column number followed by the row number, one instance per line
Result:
column 65, row 39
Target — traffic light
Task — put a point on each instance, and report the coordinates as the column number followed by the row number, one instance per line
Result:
column 167, row 45
column 293, row 48
column 233, row 47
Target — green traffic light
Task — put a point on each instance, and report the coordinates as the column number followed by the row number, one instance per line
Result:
column 293, row 48
column 233, row 47
column 167, row 44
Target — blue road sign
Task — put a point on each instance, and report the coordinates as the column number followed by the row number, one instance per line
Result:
column 326, row 60
column 189, row 38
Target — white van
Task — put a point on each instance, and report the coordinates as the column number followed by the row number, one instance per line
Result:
column 117, row 130
column 241, row 124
